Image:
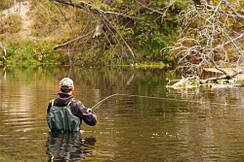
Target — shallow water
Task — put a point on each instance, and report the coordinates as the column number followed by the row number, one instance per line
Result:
column 176, row 125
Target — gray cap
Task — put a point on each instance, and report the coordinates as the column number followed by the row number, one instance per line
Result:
column 66, row 82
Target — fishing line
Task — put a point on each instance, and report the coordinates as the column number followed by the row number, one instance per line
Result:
column 159, row 98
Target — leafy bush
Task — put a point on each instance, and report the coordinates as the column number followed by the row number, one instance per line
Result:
column 26, row 52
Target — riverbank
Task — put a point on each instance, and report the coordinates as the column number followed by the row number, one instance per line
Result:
column 141, row 34
column 33, row 29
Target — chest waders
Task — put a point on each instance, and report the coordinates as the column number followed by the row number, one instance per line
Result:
column 61, row 120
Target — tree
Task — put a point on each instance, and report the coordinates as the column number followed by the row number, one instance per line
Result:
column 211, row 35
column 103, row 22
column 135, row 29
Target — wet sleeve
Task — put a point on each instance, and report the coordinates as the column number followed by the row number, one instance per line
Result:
column 89, row 117
column 49, row 106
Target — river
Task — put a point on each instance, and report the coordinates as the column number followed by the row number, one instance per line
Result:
column 202, row 124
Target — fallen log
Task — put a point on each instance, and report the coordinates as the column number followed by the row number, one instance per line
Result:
column 231, row 80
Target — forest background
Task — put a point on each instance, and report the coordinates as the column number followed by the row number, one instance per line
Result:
column 185, row 35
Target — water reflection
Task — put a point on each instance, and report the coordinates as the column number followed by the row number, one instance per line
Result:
column 69, row 146
column 200, row 124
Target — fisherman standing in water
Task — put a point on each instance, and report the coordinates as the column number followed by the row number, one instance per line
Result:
column 64, row 114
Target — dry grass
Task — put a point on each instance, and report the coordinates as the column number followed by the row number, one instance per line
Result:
column 11, row 24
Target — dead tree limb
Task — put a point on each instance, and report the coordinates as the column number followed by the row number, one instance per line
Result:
column 81, row 6
column 119, row 14
column 213, row 41
column 65, row 18
column 217, row 67
column 72, row 41
column 102, row 16
column 228, row 4
column 118, row 32
column 234, row 15
column 230, row 41
column 228, row 77
column 150, row 9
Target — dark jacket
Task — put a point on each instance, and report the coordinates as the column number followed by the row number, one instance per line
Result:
column 76, row 107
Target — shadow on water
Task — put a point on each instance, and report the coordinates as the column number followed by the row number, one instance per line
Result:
column 62, row 147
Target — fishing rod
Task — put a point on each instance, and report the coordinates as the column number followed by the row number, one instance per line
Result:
column 159, row 98
column 129, row 95
column 100, row 102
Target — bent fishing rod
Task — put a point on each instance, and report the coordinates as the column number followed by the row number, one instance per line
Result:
column 122, row 94
column 100, row 102
column 152, row 97
column 116, row 94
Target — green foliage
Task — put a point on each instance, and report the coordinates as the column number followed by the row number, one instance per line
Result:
column 153, row 27
column 86, row 58
column 26, row 52
column 156, row 31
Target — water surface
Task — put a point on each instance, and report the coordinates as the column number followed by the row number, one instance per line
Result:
column 201, row 124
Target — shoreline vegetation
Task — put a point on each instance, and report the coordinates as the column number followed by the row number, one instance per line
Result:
column 126, row 33
column 184, row 36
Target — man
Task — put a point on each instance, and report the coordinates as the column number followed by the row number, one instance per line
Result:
column 64, row 114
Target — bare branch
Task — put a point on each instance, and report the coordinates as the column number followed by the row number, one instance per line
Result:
column 235, row 15
column 101, row 14
column 65, row 18
column 228, row 77
column 234, row 44
column 153, row 10
column 118, row 32
column 207, row 36
column 230, row 41
column 119, row 14
column 215, row 11
column 73, row 40
column 233, row 10
column 217, row 67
